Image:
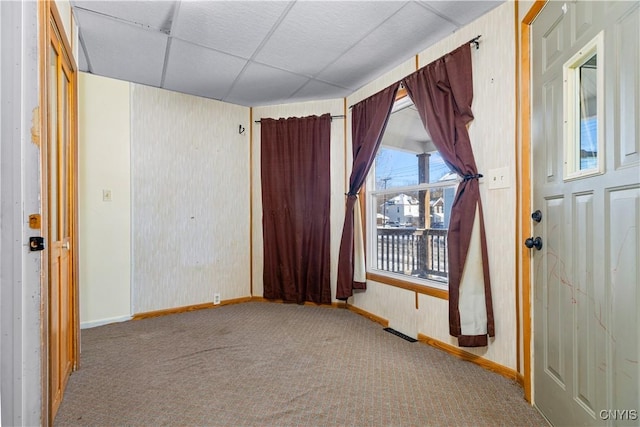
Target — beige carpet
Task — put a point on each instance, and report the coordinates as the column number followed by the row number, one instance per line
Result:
column 268, row 364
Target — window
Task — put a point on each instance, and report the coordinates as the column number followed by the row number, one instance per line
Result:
column 584, row 137
column 410, row 190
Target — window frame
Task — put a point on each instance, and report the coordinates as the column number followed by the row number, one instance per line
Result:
column 571, row 113
column 425, row 286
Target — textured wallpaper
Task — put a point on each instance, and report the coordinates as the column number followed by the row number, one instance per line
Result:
column 190, row 199
column 493, row 137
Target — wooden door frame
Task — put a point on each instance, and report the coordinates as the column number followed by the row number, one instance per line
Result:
column 49, row 16
column 525, row 190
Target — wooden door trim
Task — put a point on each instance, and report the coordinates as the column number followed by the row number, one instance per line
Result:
column 49, row 23
column 524, row 189
column 43, row 49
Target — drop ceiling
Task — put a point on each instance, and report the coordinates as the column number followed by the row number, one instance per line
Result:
column 256, row 53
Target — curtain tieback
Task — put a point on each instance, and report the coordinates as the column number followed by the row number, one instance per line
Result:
column 471, row 176
column 351, row 194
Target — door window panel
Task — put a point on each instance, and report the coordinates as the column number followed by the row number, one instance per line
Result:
column 588, row 114
column 583, row 130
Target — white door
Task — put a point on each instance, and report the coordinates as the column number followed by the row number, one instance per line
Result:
column 586, row 174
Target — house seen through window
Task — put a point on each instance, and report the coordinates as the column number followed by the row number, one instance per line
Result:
column 410, row 191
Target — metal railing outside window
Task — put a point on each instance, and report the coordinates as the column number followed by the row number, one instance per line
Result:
column 414, row 245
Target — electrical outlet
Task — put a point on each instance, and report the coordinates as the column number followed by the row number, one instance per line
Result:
column 216, row 298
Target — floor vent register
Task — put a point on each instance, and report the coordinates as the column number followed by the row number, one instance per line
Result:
column 400, row 334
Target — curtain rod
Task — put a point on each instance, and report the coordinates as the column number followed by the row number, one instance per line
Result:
column 332, row 117
column 474, row 41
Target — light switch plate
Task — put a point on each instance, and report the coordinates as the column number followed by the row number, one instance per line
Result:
column 499, row 178
column 106, row 195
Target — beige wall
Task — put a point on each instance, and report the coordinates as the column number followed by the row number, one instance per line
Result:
column 105, row 227
column 190, row 207
column 334, row 107
column 177, row 228
column 493, row 139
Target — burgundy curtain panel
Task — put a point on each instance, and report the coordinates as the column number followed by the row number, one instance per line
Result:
column 442, row 92
column 296, row 188
column 368, row 121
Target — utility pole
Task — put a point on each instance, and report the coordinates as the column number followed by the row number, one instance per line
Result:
column 384, row 203
column 424, row 218
column 424, row 196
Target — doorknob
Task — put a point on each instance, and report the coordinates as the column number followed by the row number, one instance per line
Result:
column 536, row 216
column 533, row 243
column 66, row 245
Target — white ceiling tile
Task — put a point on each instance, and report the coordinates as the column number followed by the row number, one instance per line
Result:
column 146, row 13
column 462, row 12
column 413, row 26
column 261, row 85
column 315, row 89
column 314, row 34
column 360, row 40
column 200, row 71
column 237, row 28
column 112, row 53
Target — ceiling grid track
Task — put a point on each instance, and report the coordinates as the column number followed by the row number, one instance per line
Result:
column 176, row 11
column 260, row 46
column 256, row 53
column 362, row 38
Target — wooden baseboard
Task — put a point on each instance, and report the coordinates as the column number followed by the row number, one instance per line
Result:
column 157, row 313
column 187, row 308
column 473, row 358
column 384, row 322
column 235, row 301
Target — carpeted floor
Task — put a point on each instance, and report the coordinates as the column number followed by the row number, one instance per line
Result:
column 267, row 364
